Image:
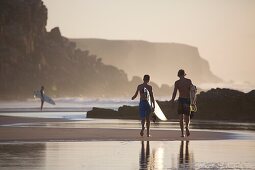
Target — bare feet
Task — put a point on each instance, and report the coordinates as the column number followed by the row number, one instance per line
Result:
column 148, row 134
column 142, row 132
column 187, row 132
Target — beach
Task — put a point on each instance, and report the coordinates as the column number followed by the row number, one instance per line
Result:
column 35, row 129
column 65, row 138
column 53, row 143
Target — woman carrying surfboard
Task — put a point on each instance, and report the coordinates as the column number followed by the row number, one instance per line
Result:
column 183, row 86
column 144, row 106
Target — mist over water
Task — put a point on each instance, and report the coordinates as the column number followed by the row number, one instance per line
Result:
column 240, row 86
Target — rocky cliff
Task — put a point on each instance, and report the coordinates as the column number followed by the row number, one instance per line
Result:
column 30, row 57
column 161, row 60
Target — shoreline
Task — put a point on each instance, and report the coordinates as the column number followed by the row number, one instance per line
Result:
column 11, row 133
column 7, row 120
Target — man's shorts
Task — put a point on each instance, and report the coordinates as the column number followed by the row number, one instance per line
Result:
column 144, row 108
column 183, row 106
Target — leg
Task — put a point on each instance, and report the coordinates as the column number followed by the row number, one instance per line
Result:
column 148, row 124
column 42, row 104
column 181, row 124
column 142, row 123
column 187, row 121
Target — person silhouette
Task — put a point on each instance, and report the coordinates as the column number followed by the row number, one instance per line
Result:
column 183, row 85
column 145, row 108
column 42, row 97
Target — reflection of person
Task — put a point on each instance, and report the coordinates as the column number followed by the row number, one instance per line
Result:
column 184, row 159
column 144, row 106
column 145, row 155
column 183, row 86
column 42, row 94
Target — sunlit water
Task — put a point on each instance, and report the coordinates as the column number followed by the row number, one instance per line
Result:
column 70, row 103
column 129, row 155
column 67, row 108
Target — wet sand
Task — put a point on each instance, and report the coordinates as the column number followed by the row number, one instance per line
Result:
column 153, row 155
column 4, row 120
column 13, row 133
column 38, row 143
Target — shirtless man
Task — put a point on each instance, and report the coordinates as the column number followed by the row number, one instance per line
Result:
column 144, row 106
column 183, row 86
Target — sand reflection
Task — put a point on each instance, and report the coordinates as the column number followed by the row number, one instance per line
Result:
column 22, row 156
column 186, row 160
column 148, row 160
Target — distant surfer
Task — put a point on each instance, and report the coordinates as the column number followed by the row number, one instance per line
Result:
column 144, row 106
column 183, row 86
column 42, row 98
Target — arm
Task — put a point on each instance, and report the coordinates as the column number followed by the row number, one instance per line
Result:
column 190, row 85
column 174, row 92
column 136, row 93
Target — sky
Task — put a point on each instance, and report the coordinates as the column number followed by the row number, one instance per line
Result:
column 222, row 30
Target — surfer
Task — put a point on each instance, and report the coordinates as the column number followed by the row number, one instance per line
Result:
column 183, row 86
column 42, row 94
column 144, row 106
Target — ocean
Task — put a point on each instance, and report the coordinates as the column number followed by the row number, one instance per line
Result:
column 67, row 108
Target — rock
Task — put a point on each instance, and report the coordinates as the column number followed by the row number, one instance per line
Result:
column 124, row 112
column 55, row 35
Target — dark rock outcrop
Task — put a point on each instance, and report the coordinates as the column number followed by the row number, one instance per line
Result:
column 160, row 60
column 215, row 104
column 30, row 57
column 124, row 112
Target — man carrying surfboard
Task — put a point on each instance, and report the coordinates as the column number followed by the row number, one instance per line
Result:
column 144, row 106
column 42, row 94
column 183, row 86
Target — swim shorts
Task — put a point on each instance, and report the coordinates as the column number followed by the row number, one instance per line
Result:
column 183, row 106
column 144, row 108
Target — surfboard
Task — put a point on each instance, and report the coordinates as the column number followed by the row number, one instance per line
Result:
column 37, row 94
column 158, row 112
column 193, row 92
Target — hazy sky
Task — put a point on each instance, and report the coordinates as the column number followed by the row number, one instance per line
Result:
column 223, row 30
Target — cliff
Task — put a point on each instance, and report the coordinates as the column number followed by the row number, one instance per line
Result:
column 30, row 57
column 215, row 104
column 160, row 60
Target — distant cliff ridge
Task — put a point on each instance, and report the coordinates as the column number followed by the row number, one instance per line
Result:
column 30, row 57
column 161, row 60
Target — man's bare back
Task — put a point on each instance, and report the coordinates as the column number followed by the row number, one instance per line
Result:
column 183, row 86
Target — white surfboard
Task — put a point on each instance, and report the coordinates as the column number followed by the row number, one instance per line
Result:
column 158, row 112
column 193, row 98
column 46, row 98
